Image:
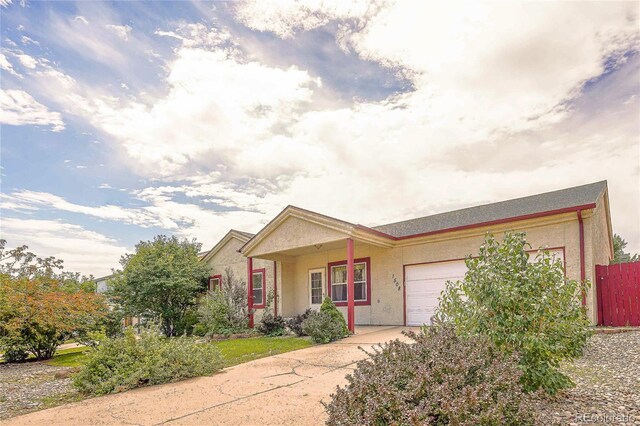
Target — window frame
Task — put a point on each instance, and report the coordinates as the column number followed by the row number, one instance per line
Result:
column 367, row 262
column 263, row 272
column 323, row 281
column 214, row 277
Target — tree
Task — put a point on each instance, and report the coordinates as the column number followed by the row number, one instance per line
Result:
column 525, row 307
column 619, row 255
column 38, row 314
column 160, row 282
column 40, row 305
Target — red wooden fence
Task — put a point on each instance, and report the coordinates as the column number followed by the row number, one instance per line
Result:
column 618, row 291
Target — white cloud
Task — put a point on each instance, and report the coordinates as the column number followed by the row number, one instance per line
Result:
column 18, row 108
column 121, row 31
column 27, row 40
column 285, row 18
column 6, row 65
column 233, row 100
column 5, row 3
column 39, row 200
column 82, row 250
column 81, row 19
column 27, row 61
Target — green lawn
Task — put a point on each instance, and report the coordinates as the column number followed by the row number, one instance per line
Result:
column 68, row 357
column 234, row 351
column 237, row 351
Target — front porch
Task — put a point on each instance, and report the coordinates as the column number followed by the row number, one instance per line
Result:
column 317, row 257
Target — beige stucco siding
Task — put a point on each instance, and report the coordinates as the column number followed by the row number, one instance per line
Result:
column 387, row 303
column 229, row 257
column 294, row 232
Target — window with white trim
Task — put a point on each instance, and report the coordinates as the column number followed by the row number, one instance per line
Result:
column 339, row 282
column 258, row 288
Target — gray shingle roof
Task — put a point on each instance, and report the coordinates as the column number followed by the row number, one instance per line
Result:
column 549, row 201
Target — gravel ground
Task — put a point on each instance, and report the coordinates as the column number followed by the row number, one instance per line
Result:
column 607, row 381
column 33, row 386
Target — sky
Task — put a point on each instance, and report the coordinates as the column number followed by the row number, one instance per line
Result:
column 124, row 120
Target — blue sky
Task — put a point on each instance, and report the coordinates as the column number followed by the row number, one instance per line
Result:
column 122, row 120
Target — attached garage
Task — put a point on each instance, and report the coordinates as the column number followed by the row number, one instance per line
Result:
column 425, row 282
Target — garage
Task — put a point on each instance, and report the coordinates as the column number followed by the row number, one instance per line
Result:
column 423, row 286
column 425, row 282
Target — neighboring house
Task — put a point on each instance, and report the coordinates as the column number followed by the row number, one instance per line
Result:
column 226, row 255
column 399, row 269
column 102, row 283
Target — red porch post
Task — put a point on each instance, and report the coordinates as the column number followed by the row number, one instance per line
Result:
column 250, row 290
column 350, row 287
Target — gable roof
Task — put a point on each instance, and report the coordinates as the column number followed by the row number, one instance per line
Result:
column 233, row 233
column 584, row 196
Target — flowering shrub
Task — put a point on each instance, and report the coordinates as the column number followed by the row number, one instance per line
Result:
column 441, row 379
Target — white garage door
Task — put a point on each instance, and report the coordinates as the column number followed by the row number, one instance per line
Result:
column 424, row 283
column 423, row 286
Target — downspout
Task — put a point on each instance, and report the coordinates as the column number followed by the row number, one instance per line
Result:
column 582, row 267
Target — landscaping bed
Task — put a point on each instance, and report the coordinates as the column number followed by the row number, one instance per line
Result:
column 607, row 381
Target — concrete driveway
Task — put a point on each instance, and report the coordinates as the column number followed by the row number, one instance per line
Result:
column 281, row 389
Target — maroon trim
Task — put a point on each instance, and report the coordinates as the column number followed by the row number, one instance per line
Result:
column 215, row 277
column 249, row 292
column 367, row 261
column 582, row 267
column 262, row 271
column 480, row 224
column 275, row 289
column 404, row 295
column 351, row 290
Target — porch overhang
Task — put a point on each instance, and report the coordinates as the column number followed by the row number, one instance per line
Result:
column 295, row 230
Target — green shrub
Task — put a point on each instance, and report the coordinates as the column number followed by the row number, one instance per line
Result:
column 441, row 379
column 329, row 307
column 272, row 325
column 224, row 311
column 523, row 307
column 127, row 362
column 322, row 327
column 13, row 351
column 295, row 323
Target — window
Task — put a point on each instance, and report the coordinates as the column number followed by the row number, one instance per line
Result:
column 215, row 282
column 361, row 282
column 316, row 282
column 258, row 289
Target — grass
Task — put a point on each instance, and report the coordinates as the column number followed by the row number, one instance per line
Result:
column 233, row 351
column 237, row 351
column 72, row 357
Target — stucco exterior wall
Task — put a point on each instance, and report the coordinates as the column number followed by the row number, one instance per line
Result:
column 295, row 232
column 387, row 300
column 229, row 257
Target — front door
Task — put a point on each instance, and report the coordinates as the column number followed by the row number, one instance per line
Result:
column 317, row 281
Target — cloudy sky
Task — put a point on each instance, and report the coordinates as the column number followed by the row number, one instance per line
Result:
column 124, row 120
